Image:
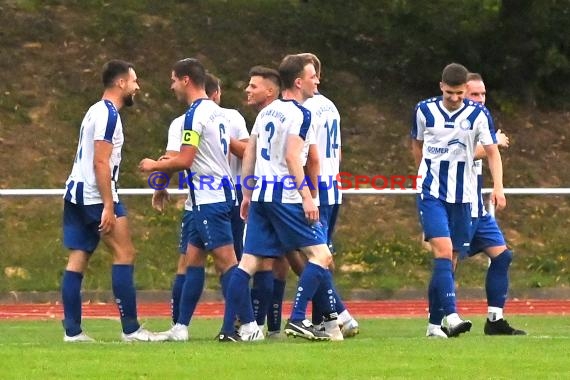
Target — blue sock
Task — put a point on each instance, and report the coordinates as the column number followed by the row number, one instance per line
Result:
column 444, row 285
column 435, row 310
column 122, row 278
column 239, row 298
column 191, row 292
column 275, row 309
column 238, row 226
column 261, row 294
column 324, row 298
column 255, row 294
column 229, row 309
column 497, row 280
column 339, row 305
column 177, row 286
column 308, row 283
column 317, row 312
column 71, row 297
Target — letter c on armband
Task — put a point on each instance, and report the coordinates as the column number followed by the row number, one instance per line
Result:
column 190, row 137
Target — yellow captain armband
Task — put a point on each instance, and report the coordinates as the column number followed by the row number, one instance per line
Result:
column 190, row 138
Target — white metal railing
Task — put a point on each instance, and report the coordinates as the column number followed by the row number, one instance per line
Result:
column 365, row 191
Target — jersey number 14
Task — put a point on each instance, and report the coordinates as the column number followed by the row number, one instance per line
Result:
column 332, row 138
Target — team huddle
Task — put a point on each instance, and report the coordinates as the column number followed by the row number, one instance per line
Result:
column 269, row 207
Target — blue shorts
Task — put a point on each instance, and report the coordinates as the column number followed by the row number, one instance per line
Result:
column 485, row 233
column 443, row 219
column 81, row 225
column 211, row 225
column 274, row 229
column 238, row 225
column 328, row 214
column 184, row 228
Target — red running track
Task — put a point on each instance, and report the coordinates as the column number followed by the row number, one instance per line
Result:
column 412, row 308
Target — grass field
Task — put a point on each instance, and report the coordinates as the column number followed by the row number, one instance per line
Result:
column 386, row 348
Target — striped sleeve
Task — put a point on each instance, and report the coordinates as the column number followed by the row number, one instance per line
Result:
column 106, row 122
column 192, row 129
column 486, row 127
column 418, row 123
column 305, row 123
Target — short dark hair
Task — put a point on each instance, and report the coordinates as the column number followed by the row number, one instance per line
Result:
column 213, row 84
column 266, row 73
column 316, row 62
column 291, row 68
column 191, row 68
column 113, row 69
column 454, row 74
column 474, row 76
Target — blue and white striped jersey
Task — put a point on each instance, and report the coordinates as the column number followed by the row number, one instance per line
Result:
column 102, row 122
column 175, row 134
column 326, row 121
column 478, row 207
column 173, row 145
column 272, row 128
column 238, row 131
column 211, row 176
column 449, row 141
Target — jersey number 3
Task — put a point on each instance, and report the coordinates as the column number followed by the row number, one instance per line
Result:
column 265, row 152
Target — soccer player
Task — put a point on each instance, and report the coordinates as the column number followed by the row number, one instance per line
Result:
column 159, row 200
column 486, row 234
column 204, row 154
column 268, row 285
column 278, row 205
column 239, row 137
column 92, row 210
column 269, row 281
column 326, row 120
column 445, row 132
